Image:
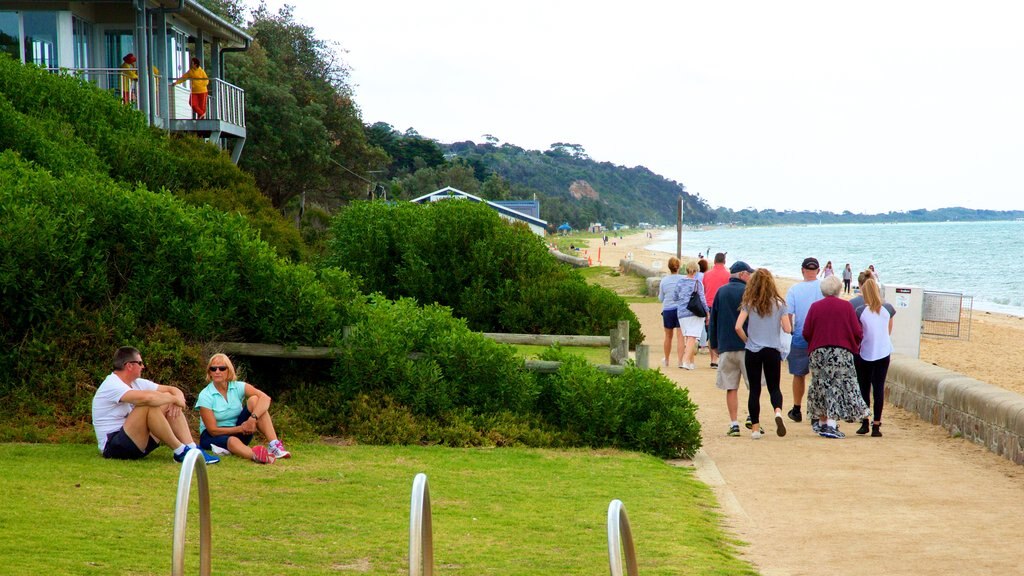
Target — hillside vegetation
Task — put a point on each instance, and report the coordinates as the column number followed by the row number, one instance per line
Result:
column 105, row 240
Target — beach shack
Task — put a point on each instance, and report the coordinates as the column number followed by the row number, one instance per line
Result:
column 506, row 210
column 91, row 39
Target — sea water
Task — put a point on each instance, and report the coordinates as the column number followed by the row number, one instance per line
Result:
column 984, row 260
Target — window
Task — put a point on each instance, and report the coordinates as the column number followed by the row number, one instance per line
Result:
column 10, row 34
column 81, row 32
column 40, row 38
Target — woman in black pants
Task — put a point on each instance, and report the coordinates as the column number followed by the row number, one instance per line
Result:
column 875, row 350
column 764, row 312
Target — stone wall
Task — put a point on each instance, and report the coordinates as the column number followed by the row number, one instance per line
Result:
column 983, row 413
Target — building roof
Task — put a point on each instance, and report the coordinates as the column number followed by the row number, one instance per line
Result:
column 449, row 192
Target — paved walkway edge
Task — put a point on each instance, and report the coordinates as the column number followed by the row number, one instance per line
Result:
column 985, row 414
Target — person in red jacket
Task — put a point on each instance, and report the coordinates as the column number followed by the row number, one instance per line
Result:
column 714, row 279
column 833, row 335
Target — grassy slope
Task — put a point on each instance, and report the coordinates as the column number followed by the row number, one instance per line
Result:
column 332, row 509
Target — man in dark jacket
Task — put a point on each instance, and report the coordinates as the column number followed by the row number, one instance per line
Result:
column 725, row 342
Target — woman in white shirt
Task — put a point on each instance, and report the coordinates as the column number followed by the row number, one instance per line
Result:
column 875, row 350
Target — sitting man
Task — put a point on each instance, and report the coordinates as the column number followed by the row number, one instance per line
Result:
column 132, row 415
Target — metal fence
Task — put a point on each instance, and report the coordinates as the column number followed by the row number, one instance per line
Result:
column 947, row 314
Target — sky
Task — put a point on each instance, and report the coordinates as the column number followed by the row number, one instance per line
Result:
column 865, row 106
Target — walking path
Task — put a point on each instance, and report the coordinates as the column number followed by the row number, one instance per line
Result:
column 915, row 501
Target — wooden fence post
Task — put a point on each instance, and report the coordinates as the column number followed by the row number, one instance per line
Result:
column 643, row 354
column 619, row 342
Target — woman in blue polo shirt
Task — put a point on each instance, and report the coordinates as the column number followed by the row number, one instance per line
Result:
column 232, row 411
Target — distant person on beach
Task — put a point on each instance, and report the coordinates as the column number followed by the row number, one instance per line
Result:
column 763, row 315
column 833, row 333
column 847, row 277
column 873, row 273
column 714, row 279
column 669, row 317
column 232, row 411
column 689, row 323
column 798, row 300
column 875, row 350
column 827, row 271
column 726, row 344
column 132, row 416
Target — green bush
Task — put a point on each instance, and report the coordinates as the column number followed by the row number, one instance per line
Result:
column 463, row 255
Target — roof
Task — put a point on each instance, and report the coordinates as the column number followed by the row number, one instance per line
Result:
column 211, row 22
column 449, row 192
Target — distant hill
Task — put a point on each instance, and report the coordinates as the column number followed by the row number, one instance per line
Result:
column 574, row 188
column 579, row 190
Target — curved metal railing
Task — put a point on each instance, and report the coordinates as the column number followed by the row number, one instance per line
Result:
column 620, row 534
column 181, row 514
column 421, row 532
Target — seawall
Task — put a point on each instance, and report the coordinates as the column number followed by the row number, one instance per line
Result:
column 983, row 413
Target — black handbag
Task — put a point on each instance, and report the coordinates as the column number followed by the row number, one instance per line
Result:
column 695, row 306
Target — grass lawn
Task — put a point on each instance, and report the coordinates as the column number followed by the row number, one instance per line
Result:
column 345, row 509
column 591, row 354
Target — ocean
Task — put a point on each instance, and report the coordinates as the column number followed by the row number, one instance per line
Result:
column 984, row 260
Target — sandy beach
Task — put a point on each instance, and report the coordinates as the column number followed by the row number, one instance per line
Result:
column 991, row 353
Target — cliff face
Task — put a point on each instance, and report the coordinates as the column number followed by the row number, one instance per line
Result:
column 582, row 189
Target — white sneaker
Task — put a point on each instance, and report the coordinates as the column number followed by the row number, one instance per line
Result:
column 219, row 451
column 664, row 362
column 276, row 449
column 756, row 435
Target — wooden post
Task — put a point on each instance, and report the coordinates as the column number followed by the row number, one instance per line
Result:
column 643, row 353
column 620, row 343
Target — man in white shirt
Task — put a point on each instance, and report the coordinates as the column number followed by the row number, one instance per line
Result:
column 132, row 416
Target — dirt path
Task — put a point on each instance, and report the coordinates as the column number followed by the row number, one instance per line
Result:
column 913, row 502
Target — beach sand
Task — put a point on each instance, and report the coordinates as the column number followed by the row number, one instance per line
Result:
column 991, row 352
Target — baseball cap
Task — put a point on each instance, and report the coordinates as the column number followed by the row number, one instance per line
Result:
column 740, row 266
column 810, row 264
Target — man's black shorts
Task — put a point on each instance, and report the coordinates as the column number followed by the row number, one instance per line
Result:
column 121, row 447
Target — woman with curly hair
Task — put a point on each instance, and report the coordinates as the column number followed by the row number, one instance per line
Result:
column 765, row 314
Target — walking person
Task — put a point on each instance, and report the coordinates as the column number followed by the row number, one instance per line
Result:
column 714, row 279
column 232, row 411
column 690, row 322
column 827, row 271
column 875, row 351
column 667, row 290
column 799, row 299
column 833, row 333
column 763, row 316
column 847, row 278
column 725, row 343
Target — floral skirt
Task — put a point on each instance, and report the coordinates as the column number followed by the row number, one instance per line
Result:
column 834, row 391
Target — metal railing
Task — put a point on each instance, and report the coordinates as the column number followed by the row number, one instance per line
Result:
column 619, row 534
column 194, row 461
column 227, row 103
column 944, row 314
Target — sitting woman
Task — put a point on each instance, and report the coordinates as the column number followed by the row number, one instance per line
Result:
column 231, row 412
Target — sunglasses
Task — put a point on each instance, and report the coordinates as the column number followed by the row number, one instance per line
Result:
column 218, row 368
column 139, row 362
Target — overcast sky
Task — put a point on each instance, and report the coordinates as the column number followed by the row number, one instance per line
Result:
column 865, row 106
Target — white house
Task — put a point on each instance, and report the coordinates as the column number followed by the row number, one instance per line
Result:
column 537, row 225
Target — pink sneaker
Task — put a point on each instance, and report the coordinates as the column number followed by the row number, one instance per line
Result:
column 277, row 450
column 261, row 456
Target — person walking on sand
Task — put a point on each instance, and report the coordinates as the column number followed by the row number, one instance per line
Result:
column 833, row 333
column 726, row 343
column 847, row 278
column 714, row 279
column 667, row 291
column 827, row 271
column 799, row 298
column 232, row 411
column 875, row 351
column 132, row 416
column 200, row 87
column 690, row 323
column 762, row 315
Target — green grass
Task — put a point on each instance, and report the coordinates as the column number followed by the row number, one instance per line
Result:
column 334, row 509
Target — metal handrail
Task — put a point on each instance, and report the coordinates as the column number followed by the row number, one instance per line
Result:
column 421, row 533
column 181, row 514
column 619, row 534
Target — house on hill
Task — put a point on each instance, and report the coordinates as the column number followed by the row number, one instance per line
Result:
column 92, row 38
column 526, row 211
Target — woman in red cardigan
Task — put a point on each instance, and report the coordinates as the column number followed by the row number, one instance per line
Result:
column 833, row 333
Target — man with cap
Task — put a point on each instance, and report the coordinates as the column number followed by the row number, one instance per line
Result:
column 714, row 279
column 799, row 299
column 725, row 342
